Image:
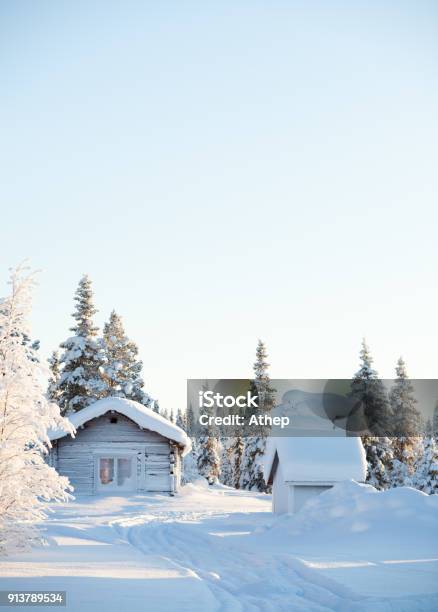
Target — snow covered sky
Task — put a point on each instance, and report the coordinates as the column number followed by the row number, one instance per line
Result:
column 224, row 171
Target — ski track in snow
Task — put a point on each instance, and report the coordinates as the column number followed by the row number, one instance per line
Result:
column 234, row 577
column 246, row 579
column 177, row 555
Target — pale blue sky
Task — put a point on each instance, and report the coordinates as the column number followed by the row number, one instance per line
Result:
column 224, row 171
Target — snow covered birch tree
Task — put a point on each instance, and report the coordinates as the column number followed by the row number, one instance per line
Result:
column 26, row 481
column 81, row 382
column 121, row 366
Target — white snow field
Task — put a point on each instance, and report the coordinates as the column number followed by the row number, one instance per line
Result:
column 214, row 548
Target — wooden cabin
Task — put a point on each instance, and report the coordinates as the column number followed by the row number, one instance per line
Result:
column 300, row 468
column 120, row 447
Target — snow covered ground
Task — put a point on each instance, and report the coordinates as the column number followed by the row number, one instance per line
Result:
column 214, row 548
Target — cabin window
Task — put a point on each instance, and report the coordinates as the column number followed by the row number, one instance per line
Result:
column 113, row 420
column 123, row 470
column 106, row 470
column 115, row 473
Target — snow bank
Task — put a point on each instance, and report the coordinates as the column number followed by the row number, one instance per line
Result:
column 332, row 459
column 144, row 417
column 396, row 523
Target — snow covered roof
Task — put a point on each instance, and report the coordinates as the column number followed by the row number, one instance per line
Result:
column 144, row 417
column 322, row 459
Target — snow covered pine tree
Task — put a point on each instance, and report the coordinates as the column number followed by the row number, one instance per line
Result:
column 26, row 481
column 190, row 420
column 236, row 457
column 209, row 457
column 369, row 390
column 227, row 461
column 425, row 472
column 181, row 420
column 435, row 421
column 407, row 445
column 81, row 382
column 121, row 366
column 209, row 451
column 190, row 463
column 251, row 476
column 53, row 391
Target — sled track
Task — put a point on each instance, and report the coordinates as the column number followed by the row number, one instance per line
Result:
column 238, row 581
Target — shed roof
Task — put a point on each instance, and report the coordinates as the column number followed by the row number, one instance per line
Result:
column 144, row 417
column 315, row 459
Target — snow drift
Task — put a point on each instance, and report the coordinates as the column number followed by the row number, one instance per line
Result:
column 392, row 524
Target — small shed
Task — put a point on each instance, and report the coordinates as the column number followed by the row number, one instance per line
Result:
column 300, row 468
column 120, row 446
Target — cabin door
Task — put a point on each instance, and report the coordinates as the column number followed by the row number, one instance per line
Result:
column 115, row 473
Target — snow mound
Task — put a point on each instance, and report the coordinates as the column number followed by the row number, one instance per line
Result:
column 395, row 522
column 144, row 417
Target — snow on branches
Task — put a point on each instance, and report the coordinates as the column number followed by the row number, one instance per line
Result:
column 121, row 366
column 26, row 481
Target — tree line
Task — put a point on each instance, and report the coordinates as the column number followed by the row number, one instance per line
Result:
column 401, row 449
column 90, row 367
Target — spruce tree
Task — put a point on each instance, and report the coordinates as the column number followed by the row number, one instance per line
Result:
column 435, row 421
column 251, row 466
column 227, row 461
column 406, row 418
column 406, row 454
column 53, row 391
column 369, row 391
column 209, row 458
column 181, row 419
column 405, row 415
column 81, row 382
column 428, row 428
column 190, row 464
column 367, row 388
column 209, row 450
column 121, row 367
column 190, row 421
column 425, row 474
column 237, row 450
column 379, row 455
